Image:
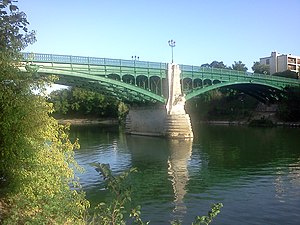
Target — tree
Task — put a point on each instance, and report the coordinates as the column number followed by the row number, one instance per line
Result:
column 216, row 64
column 206, row 65
column 239, row 66
column 37, row 184
column 81, row 102
column 260, row 68
column 287, row 73
column 289, row 107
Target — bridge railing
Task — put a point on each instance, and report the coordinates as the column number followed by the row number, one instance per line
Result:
column 188, row 71
column 68, row 59
column 193, row 72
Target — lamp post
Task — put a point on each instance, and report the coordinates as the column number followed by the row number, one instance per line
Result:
column 172, row 45
column 135, row 58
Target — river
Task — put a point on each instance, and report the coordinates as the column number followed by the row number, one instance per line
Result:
column 254, row 172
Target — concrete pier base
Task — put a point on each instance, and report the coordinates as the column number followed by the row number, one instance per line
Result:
column 146, row 121
column 171, row 121
column 178, row 126
column 156, row 122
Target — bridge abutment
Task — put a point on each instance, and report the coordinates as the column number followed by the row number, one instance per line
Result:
column 171, row 121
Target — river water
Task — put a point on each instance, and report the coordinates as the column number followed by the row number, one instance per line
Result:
column 254, row 172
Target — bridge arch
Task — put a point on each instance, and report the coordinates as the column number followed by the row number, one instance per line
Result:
column 216, row 82
column 207, row 82
column 156, row 85
column 114, row 76
column 197, row 83
column 142, row 81
column 262, row 91
column 187, row 84
column 129, row 79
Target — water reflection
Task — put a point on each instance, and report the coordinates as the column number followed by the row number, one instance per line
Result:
column 180, row 154
column 253, row 172
column 163, row 166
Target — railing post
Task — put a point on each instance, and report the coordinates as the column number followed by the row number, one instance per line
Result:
column 192, row 78
column 105, row 69
column 51, row 58
column 121, row 69
column 149, row 83
column 71, row 62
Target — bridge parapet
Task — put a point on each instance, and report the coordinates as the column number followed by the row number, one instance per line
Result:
column 69, row 59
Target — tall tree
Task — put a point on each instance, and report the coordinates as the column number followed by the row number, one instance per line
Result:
column 81, row 103
column 260, row 68
column 240, row 66
column 36, row 156
column 216, row 64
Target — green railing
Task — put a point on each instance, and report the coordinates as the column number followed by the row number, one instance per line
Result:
column 68, row 59
column 188, row 71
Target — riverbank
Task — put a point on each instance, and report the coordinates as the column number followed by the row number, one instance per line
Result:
column 246, row 123
column 82, row 121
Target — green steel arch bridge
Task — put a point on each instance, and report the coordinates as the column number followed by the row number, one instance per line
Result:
column 133, row 80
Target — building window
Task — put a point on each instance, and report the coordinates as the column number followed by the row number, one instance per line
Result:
column 291, row 60
column 268, row 61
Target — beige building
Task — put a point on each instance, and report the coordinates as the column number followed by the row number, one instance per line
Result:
column 280, row 62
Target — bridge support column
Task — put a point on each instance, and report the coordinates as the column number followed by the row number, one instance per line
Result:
column 177, row 121
column 170, row 121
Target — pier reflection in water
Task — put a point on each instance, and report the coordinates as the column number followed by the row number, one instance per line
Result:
column 163, row 167
column 180, row 153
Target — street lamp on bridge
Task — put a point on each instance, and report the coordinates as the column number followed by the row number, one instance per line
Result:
column 172, row 45
column 135, row 58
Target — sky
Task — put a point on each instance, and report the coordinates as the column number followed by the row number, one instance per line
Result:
column 204, row 31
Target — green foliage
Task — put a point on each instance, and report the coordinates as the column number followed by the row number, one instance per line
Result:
column 239, row 66
column 260, row 68
column 206, row 220
column 287, row 73
column 215, row 64
column 222, row 104
column 289, row 107
column 79, row 102
column 37, row 183
column 116, row 211
column 215, row 210
column 122, row 111
column 14, row 35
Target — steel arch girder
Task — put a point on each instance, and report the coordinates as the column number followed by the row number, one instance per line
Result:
column 202, row 90
column 103, row 81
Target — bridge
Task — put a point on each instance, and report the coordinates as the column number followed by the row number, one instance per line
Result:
column 133, row 80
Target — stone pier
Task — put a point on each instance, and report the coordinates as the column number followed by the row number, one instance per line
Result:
column 170, row 121
column 177, row 122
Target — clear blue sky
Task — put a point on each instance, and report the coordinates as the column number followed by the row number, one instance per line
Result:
column 222, row 30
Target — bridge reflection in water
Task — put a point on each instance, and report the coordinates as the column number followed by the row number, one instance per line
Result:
column 180, row 153
column 168, row 160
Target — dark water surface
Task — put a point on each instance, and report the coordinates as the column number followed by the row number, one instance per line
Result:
column 254, row 172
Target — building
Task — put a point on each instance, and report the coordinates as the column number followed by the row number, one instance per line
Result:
column 280, row 62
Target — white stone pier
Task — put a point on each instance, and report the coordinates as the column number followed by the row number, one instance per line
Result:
column 171, row 121
column 177, row 122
